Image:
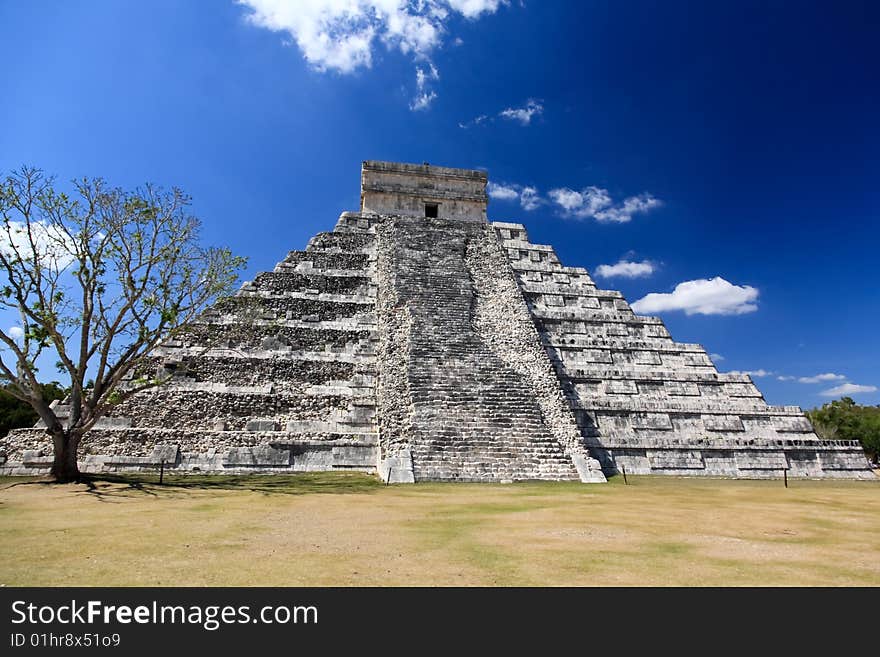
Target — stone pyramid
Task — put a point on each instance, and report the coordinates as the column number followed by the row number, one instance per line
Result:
column 422, row 342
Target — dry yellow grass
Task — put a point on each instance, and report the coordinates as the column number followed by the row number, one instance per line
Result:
column 346, row 529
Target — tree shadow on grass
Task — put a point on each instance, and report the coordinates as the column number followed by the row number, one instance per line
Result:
column 306, row 483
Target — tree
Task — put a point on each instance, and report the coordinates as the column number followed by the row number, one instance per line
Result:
column 843, row 419
column 97, row 279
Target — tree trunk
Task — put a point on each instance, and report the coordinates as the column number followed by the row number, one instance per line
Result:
column 64, row 468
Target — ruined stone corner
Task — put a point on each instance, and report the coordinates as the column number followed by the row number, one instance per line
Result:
column 397, row 469
column 588, row 469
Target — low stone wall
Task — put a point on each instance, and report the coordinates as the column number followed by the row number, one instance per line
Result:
column 325, row 260
column 250, row 371
column 252, row 336
column 291, row 281
column 28, row 451
column 742, row 459
column 200, row 409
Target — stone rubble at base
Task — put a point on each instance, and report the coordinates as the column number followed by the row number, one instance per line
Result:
column 440, row 349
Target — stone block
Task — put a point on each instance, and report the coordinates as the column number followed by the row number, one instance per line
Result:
column 658, row 421
column 259, row 456
column 621, row 387
column 261, row 425
column 113, row 423
column 761, row 460
column 676, row 459
column 723, row 423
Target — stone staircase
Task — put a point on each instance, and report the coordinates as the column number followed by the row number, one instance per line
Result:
column 473, row 418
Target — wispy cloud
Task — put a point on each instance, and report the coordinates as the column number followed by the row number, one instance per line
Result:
column 502, row 192
column 847, row 389
column 753, row 373
column 424, row 95
column 522, row 115
column 713, row 296
column 717, row 358
column 527, row 196
column 342, row 35
column 482, row 118
column 822, row 378
column 818, row 378
column 597, row 203
column 626, row 269
column 15, row 332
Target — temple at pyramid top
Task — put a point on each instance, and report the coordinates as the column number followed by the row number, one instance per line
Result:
column 423, row 190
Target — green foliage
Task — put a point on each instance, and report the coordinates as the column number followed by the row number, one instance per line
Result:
column 843, row 419
column 15, row 414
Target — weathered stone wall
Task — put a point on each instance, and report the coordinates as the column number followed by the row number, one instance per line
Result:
column 255, row 336
column 186, row 451
column 404, row 189
column 284, row 373
column 394, row 327
column 203, row 409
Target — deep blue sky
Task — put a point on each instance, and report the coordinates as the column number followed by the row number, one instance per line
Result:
column 754, row 123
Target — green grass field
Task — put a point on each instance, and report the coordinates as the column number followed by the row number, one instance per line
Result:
column 348, row 529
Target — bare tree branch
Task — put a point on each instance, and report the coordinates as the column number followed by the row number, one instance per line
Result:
column 100, row 280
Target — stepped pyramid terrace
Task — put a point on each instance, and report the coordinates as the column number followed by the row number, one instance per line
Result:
column 420, row 341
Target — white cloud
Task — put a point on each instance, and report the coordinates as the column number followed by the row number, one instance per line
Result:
column 626, row 269
column 590, row 202
column 341, row 35
column 54, row 248
column 716, row 357
column 821, row 378
column 568, row 199
column 632, row 205
column 523, row 114
column 474, row 8
column 424, row 95
column 597, row 203
column 15, row 332
column 784, row 377
column 847, row 389
column 482, row 118
column 752, row 373
column 529, row 199
column 502, row 192
column 713, row 296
